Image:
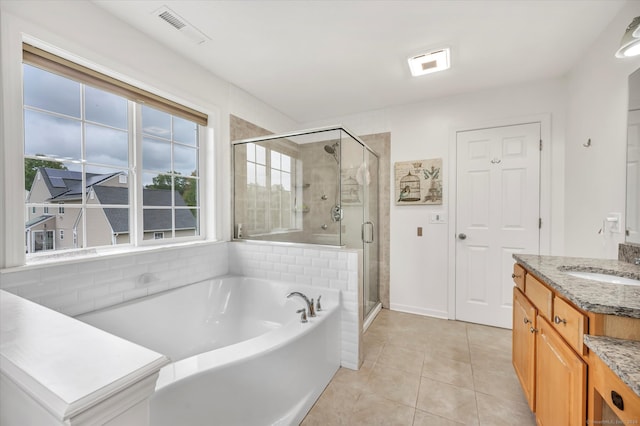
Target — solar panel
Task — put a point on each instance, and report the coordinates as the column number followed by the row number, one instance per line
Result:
column 57, row 182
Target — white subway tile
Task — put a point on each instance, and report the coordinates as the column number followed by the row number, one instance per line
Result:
column 320, row 263
column 311, row 271
column 110, row 300
column 329, row 274
column 303, row 279
column 338, row 284
column 304, row 261
column 320, row 282
column 329, row 254
column 93, row 292
column 311, row 253
column 280, row 250
column 338, row 264
column 60, row 299
column 295, row 251
column 296, row 269
column 288, row 259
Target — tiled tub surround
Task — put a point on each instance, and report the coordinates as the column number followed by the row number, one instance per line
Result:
column 317, row 266
column 74, row 287
column 592, row 296
column 620, row 355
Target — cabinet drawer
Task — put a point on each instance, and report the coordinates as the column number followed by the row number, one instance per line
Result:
column 605, row 381
column 570, row 323
column 518, row 276
column 539, row 295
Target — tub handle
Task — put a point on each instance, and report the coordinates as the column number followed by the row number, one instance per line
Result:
column 303, row 315
column 318, row 306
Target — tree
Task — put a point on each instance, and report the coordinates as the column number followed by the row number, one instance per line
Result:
column 31, row 167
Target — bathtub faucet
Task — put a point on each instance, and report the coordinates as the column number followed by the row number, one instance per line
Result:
column 310, row 307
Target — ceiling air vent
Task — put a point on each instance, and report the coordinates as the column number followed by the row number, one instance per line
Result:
column 181, row 24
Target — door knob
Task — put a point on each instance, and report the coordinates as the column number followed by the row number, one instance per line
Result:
column 462, row 236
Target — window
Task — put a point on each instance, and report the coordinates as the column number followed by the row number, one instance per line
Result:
column 42, row 241
column 270, row 199
column 80, row 128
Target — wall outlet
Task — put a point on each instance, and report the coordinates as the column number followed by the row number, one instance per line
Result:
column 437, row 217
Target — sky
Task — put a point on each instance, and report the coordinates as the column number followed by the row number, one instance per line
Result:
column 54, row 110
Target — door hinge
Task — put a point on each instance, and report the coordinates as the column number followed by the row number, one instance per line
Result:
column 539, row 223
column 540, row 144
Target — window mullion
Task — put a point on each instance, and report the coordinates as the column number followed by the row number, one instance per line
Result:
column 136, row 213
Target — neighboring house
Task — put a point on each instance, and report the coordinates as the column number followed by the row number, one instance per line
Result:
column 59, row 226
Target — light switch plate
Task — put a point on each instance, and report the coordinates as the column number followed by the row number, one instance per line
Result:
column 437, row 217
column 614, row 222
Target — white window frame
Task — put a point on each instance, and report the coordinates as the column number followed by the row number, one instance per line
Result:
column 12, row 253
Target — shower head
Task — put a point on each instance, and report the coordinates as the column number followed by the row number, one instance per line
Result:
column 332, row 149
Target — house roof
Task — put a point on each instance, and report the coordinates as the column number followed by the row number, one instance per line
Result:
column 153, row 219
column 64, row 185
column 38, row 220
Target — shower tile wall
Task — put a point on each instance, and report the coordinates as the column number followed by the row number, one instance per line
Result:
column 85, row 285
column 320, row 173
column 303, row 264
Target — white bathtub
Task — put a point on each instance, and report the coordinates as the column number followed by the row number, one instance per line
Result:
column 240, row 354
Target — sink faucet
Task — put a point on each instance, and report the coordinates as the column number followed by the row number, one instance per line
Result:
column 310, row 308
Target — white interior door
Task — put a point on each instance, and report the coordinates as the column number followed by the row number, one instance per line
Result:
column 498, row 214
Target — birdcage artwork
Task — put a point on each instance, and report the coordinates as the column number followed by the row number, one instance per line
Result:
column 418, row 182
column 409, row 188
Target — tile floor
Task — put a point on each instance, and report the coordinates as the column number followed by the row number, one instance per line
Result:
column 426, row 371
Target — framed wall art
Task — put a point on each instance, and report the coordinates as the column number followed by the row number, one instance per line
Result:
column 418, row 182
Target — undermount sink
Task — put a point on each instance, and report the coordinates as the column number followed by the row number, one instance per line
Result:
column 605, row 278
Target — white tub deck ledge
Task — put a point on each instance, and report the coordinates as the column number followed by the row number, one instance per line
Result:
column 56, row 370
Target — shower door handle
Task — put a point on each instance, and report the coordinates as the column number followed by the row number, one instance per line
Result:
column 371, row 227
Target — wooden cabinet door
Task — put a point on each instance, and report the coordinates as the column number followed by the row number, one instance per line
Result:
column 524, row 344
column 560, row 380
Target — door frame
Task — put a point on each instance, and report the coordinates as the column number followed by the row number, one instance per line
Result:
column 545, row 190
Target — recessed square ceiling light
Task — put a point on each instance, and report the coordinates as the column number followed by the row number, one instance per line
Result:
column 427, row 63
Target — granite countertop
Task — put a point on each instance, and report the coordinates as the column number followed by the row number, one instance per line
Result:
column 621, row 356
column 589, row 295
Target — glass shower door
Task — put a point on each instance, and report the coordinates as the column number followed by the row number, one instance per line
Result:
column 370, row 232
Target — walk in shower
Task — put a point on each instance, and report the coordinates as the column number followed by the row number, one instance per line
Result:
column 317, row 186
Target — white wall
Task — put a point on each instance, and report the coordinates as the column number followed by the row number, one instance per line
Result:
column 597, row 110
column 88, row 34
column 420, row 270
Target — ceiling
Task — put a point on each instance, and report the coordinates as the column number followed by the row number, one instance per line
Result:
column 314, row 60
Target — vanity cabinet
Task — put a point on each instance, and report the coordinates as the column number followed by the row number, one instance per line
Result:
column 524, row 344
column 561, row 377
column 546, row 355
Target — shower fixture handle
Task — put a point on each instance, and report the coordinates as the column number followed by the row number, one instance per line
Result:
column 303, row 315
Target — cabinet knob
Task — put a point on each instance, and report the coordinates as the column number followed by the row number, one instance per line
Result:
column 559, row 320
column 533, row 330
